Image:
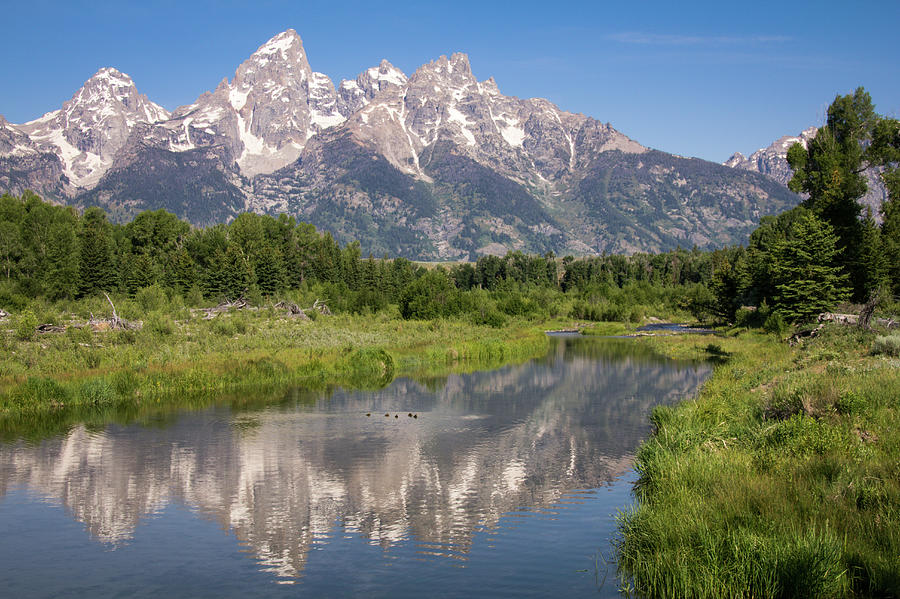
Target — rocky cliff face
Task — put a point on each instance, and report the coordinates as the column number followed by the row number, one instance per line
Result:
column 24, row 165
column 264, row 116
column 434, row 165
column 772, row 162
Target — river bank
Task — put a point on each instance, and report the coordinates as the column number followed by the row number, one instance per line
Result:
column 781, row 479
column 83, row 374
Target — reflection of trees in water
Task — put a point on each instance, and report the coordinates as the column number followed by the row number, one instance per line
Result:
column 281, row 478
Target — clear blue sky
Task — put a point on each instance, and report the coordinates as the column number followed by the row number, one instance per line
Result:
column 697, row 79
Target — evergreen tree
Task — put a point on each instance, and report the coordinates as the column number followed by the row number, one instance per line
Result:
column 237, row 273
column 890, row 230
column 181, row 274
column 96, row 270
column 269, row 269
column 872, row 271
column 137, row 272
column 214, row 277
column 61, row 273
column 886, row 147
column 807, row 280
column 830, row 169
column 10, row 247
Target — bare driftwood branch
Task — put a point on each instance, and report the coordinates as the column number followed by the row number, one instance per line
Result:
column 3, row 314
column 294, row 311
column 225, row 306
column 321, row 308
column 114, row 323
column 868, row 310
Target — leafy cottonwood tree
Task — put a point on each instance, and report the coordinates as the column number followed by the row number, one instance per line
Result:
column 830, row 169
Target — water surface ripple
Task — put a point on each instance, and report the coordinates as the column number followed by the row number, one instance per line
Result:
column 500, row 483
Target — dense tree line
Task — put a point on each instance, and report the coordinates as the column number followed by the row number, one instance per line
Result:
column 58, row 253
column 797, row 264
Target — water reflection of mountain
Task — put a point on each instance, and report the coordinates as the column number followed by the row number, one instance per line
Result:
column 292, row 475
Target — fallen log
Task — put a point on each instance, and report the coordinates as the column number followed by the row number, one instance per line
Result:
column 50, row 328
column 853, row 319
column 808, row 334
column 838, row 318
column 225, row 306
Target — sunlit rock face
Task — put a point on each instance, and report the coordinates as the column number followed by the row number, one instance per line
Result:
column 282, row 479
column 92, row 127
column 433, row 165
column 264, row 115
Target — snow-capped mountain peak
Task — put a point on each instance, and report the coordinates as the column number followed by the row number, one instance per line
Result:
column 93, row 125
column 353, row 95
column 265, row 114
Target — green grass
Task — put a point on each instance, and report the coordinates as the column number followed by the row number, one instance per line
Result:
column 781, row 479
column 183, row 360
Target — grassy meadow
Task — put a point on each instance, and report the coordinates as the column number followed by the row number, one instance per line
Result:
column 781, row 479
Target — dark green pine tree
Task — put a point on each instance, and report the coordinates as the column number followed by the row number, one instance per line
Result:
column 886, row 150
column 830, row 169
column 890, row 230
column 10, row 247
column 214, row 276
column 61, row 275
column 181, row 274
column 270, row 269
column 237, row 274
column 96, row 268
column 872, row 270
column 807, row 280
column 137, row 272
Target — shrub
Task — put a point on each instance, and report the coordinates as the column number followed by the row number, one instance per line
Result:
column 40, row 390
column 888, row 345
column 775, row 324
column 222, row 326
column 10, row 300
column 152, row 298
column 368, row 368
column 490, row 317
column 194, row 297
column 79, row 335
column 160, row 324
column 26, row 326
column 850, row 402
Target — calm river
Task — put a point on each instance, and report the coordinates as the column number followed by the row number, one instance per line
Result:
column 505, row 484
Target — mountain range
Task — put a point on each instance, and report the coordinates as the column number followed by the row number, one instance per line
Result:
column 434, row 165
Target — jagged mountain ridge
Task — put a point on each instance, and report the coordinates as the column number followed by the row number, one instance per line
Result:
column 434, row 165
column 771, row 161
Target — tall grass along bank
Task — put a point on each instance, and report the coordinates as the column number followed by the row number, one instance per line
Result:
column 781, row 479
